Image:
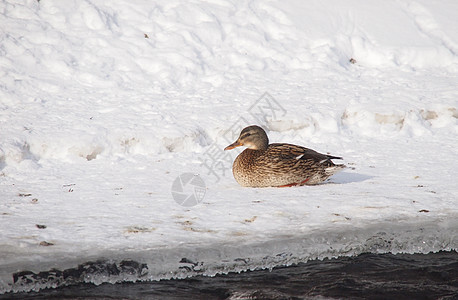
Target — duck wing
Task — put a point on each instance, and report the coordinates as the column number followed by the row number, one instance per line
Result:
column 294, row 152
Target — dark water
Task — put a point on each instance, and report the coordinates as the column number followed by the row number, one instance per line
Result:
column 367, row 276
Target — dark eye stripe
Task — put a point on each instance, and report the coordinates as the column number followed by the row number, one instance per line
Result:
column 245, row 135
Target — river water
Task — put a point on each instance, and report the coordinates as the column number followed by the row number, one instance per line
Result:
column 367, row 276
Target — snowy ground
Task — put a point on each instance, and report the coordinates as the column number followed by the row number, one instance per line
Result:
column 102, row 107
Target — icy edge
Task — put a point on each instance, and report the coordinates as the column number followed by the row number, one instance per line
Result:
column 184, row 262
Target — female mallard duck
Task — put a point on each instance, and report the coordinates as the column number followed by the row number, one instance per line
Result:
column 279, row 165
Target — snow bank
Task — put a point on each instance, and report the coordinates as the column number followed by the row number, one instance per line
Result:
column 103, row 106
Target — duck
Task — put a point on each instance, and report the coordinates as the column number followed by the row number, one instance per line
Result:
column 279, row 164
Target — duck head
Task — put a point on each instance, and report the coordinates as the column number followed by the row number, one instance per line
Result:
column 252, row 137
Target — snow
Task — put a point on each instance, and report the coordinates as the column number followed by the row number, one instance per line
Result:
column 103, row 106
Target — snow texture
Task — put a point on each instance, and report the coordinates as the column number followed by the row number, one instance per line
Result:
column 103, row 106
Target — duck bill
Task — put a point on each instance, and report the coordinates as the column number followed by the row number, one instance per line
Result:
column 233, row 145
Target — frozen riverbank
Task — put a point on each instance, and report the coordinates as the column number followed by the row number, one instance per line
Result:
column 103, row 107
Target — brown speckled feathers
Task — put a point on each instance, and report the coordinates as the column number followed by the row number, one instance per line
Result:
column 263, row 165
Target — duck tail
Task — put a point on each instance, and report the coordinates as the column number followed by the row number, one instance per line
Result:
column 334, row 157
column 334, row 169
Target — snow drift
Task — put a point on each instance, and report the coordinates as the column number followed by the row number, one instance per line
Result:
column 102, row 106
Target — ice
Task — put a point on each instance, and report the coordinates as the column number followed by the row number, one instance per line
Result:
column 103, row 107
